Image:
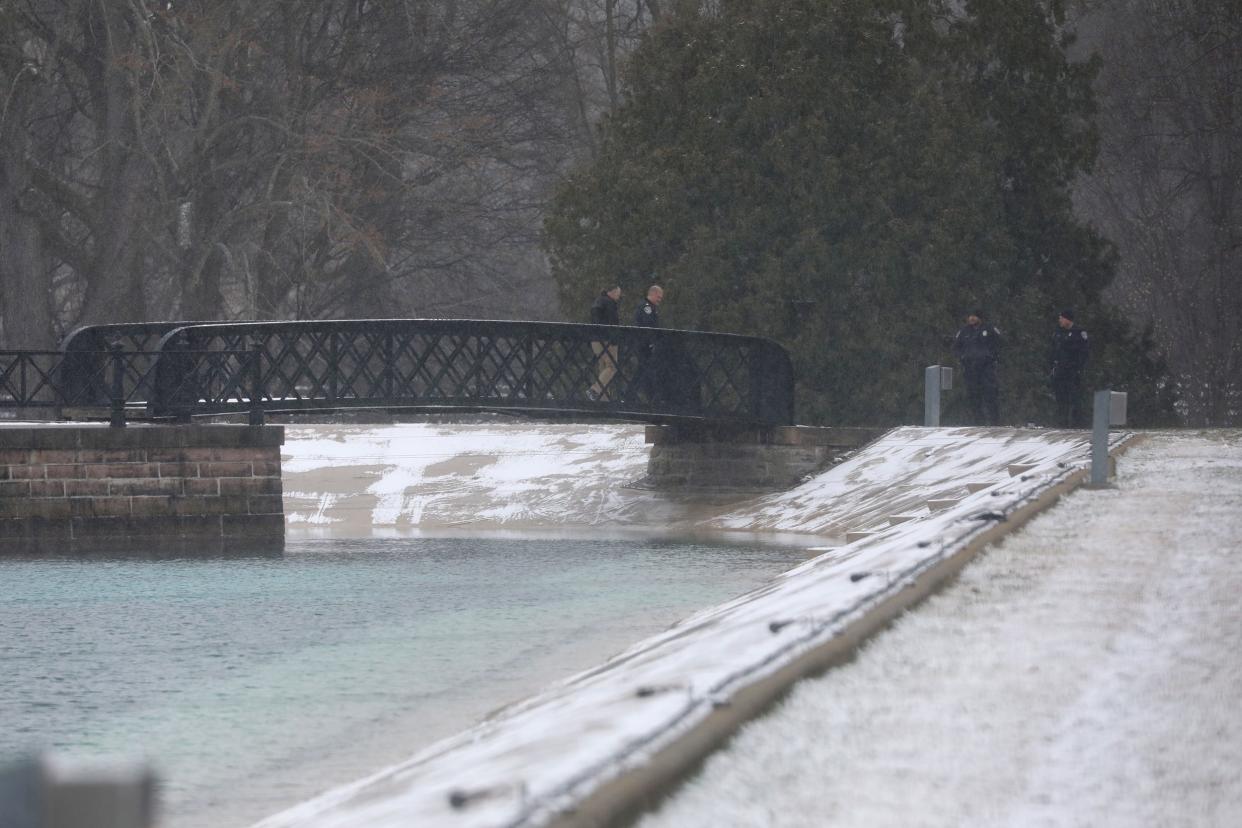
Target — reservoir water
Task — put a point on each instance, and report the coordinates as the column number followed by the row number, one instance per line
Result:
column 253, row 683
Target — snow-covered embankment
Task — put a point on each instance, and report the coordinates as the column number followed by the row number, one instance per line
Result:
column 366, row 480
column 920, row 500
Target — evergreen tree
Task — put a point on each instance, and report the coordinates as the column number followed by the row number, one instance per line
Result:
column 849, row 177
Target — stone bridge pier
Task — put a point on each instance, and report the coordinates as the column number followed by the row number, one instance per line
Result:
column 201, row 489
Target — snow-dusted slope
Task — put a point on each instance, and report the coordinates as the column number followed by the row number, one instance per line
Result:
column 357, row 481
column 901, row 474
column 1085, row 672
column 576, row 739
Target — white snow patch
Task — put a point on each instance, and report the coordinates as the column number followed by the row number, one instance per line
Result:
column 900, row 475
column 427, row 475
column 556, row 747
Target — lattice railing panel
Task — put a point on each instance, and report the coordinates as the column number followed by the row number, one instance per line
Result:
column 660, row 374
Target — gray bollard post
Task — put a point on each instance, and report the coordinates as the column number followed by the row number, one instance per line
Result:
column 936, row 378
column 1108, row 409
column 57, row 792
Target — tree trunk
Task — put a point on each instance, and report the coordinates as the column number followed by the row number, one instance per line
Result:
column 25, row 284
column 114, row 285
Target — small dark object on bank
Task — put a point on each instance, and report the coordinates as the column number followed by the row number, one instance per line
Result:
column 652, row 690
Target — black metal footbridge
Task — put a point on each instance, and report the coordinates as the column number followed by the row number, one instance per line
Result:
column 180, row 370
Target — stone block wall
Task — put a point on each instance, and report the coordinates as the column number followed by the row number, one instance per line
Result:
column 707, row 458
column 141, row 489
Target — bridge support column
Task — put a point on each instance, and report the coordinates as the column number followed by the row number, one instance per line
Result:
column 720, row 457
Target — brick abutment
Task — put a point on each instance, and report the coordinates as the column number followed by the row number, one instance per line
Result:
column 142, row 489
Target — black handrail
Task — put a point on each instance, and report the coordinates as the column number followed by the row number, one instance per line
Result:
column 115, row 378
column 182, row 369
column 52, row 379
column 138, row 338
column 131, row 336
column 532, row 367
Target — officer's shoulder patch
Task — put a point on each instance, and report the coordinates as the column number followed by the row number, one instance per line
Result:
column 1084, row 334
column 985, row 333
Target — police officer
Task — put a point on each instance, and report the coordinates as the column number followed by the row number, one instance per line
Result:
column 650, row 375
column 1068, row 357
column 977, row 345
column 647, row 315
column 605, row 311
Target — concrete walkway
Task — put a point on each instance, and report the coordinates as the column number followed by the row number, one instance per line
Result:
column 1087, row 671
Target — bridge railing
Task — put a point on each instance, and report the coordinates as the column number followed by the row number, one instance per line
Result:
column 51, row 379
column 656, row 374
column 139, row 339
column 117, row 379
column 186, row 368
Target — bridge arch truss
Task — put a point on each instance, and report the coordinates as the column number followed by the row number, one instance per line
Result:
column 542, row 368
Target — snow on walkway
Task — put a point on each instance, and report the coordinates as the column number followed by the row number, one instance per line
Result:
column 1087, row 671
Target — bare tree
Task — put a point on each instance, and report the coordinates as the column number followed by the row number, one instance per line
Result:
column 1168, row 184
column 25, row 282
column 292, row 158
column 70, row 142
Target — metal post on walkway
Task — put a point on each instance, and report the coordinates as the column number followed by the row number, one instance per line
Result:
column 57, row 792
column 936, row 378
column 1108, row 409
column 116, row 390
column 257, row 391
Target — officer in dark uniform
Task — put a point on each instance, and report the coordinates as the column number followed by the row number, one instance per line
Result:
column 647, row 315
column 650, row 374
column 605, row 311
column 1070, row 349
column 977, row 345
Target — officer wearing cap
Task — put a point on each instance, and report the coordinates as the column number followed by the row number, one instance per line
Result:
column 977, row 346
column 1068, row 357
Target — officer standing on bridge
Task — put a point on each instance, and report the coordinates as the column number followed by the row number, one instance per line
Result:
column 647, row 315
column 977, row 345
column 1070, row 349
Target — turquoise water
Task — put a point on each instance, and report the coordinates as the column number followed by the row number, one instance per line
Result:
column 254, row 683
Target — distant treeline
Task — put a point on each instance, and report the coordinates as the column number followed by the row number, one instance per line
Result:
column 846, row 176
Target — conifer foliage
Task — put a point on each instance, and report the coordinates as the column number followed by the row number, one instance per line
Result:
column 850, row 177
